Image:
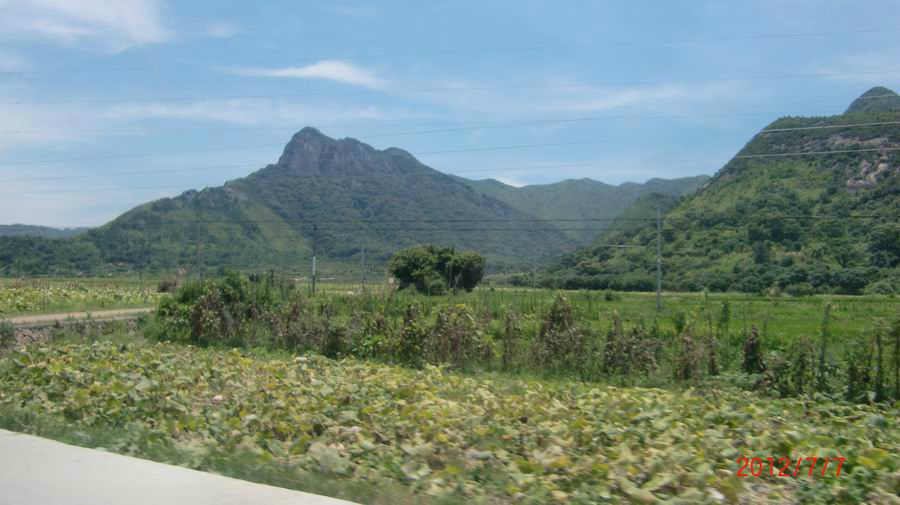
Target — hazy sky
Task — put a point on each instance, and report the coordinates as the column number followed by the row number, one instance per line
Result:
column 89, row 83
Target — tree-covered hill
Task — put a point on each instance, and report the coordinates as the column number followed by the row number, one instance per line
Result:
column 343, row 195
column 775, row 218
column 583, row 198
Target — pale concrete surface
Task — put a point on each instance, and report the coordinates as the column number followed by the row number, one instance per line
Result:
column 97, row 315
column 38, row 471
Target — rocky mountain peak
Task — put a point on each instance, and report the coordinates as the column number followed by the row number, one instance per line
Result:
column 310, row 149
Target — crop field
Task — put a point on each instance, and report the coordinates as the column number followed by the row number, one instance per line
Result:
column 780, row 318
column 431, row 434
column 495, row 396
column 18, row 297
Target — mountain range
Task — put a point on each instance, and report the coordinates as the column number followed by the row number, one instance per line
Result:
column 349, row 202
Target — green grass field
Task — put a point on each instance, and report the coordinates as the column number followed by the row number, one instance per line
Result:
column 778, row 318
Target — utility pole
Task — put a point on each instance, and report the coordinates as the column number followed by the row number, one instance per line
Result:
column 315, row 238
column 197, row 238
column 363, row 266
column 532, row 271
column 658, row 259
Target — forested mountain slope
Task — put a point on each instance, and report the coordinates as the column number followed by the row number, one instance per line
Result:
column 810, row 204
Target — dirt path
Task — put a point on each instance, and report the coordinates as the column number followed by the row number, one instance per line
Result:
column 94, row 315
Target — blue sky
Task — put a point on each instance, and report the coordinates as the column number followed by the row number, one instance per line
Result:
column 105, row 78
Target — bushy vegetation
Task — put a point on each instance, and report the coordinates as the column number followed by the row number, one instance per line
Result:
column 443, row 436
column 433, row 269
column 559, row 340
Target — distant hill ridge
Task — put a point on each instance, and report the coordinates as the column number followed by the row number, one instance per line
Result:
column 19, row 229
column 344, row 196
column 583, row 198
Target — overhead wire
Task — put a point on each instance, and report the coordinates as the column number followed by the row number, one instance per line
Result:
column 506, row 87
column 458, row 51
column 476, row 125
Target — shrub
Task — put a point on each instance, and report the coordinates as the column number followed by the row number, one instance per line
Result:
column 633, row 351
column 790, row 373
column 167, row 285
column 455, row 338
column 753, row 361
column 560, row 344
column 513, row 342
column 687, row 363
column 858, row 363
column 7, row 334
column 800, row 289
column 413, row 336
column 611, row 296
column 882, row 287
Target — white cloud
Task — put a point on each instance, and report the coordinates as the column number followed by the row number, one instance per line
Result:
column 330, row 70
column 114, row 24
column 221, row 30
column 352, row 11
column 253, row 112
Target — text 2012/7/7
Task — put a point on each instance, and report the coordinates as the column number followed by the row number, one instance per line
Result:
column 787, row 467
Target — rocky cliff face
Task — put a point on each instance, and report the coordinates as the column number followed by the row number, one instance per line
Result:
column 311, row 152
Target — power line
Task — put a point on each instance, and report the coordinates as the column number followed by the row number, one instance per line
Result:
column 263, row 164
column 822, row 127
column 483, row 126
column 648, row 221
column 449, row 52
column 402, row 221
column 456, row 124
column 435, row 173
column 449, row 89
column 141, row 155
column 471, row 149
column 91, row 190
column 254, row 146
column 810, row 153
column 140, row 172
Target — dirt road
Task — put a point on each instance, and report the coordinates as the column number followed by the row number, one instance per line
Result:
column 97, row 315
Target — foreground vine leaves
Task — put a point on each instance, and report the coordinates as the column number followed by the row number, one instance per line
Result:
column 440, row 434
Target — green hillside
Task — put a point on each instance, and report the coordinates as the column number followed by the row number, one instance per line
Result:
column 749, row 228
column 582, row 198
column 343, row 195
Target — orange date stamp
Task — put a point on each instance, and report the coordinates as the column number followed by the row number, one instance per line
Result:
column 787, row 467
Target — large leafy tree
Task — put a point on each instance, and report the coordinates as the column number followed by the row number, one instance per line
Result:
column 433, row 269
